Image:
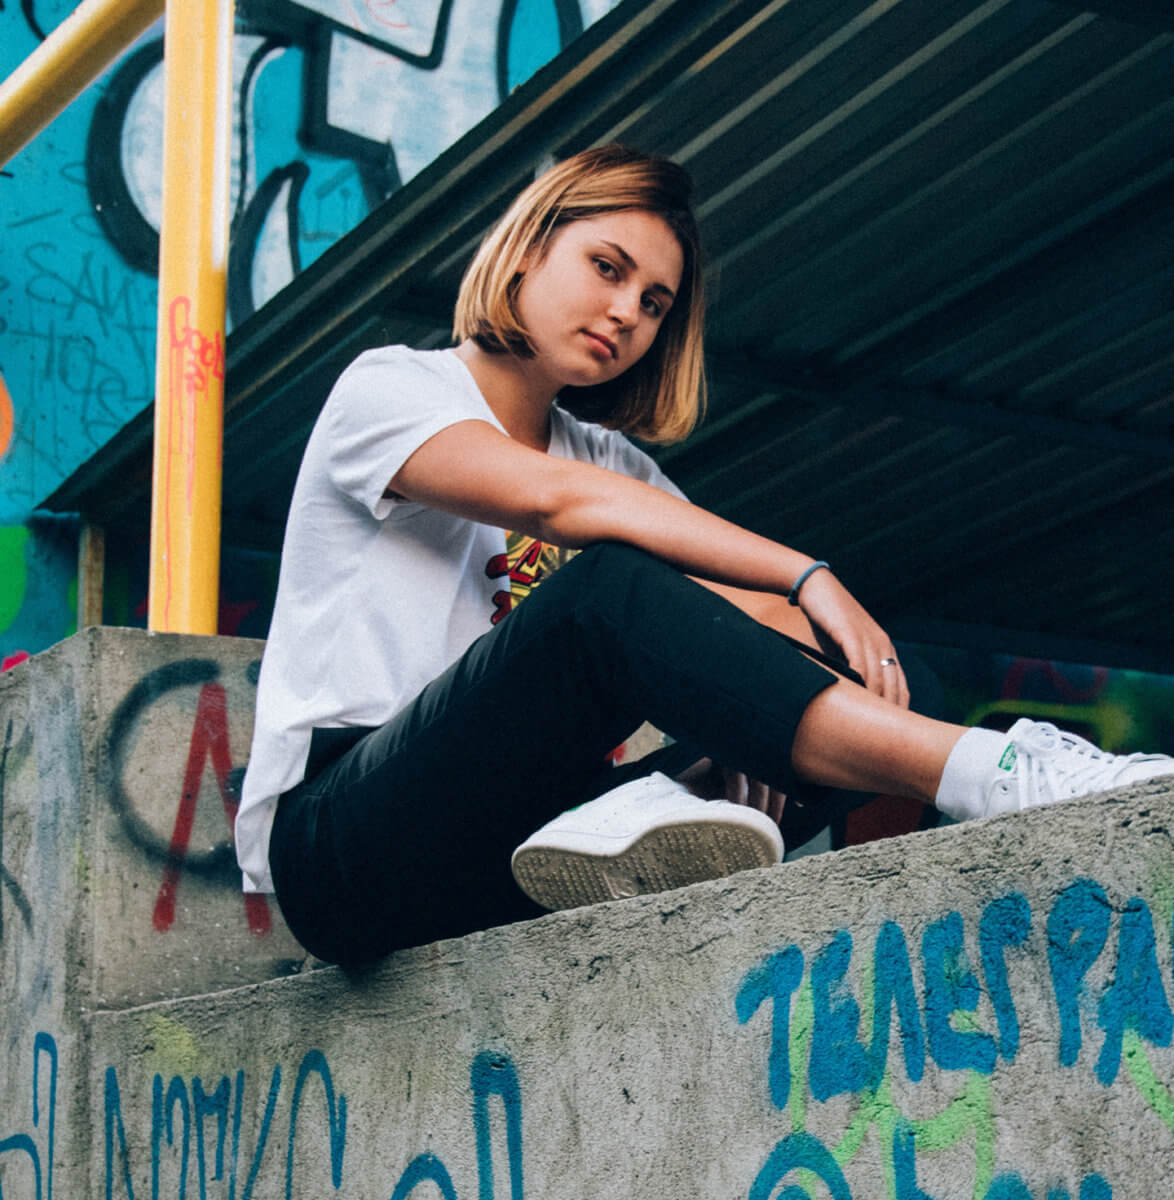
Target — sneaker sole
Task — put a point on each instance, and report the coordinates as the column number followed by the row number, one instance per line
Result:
column 668, row 856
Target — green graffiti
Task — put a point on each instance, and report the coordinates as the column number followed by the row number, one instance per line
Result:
column 13, row 572
column 970, row 1113
column 1155, row 1093
column 171, row 1047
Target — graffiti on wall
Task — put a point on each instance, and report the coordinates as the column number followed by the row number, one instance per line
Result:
column 33, row 1150
column 162, row 827
column 11, row 891
column 952, row 1006
column 183, row 1107
column 819, row 1045
column 337, row 104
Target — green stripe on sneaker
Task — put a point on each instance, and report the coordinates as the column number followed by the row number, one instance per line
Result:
column 1007, row 762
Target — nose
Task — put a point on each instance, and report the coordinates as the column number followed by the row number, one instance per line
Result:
column 624, row 307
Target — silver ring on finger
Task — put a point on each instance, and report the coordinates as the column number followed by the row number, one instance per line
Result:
column 888, row 662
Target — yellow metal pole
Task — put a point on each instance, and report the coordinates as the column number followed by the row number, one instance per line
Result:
column 65, row 63
column 189, row 372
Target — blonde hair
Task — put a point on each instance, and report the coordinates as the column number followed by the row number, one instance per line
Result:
column 661, row 397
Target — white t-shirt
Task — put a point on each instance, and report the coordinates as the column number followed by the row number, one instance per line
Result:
column 378, row 596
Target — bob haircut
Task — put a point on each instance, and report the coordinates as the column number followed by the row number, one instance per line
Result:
column 661, row 397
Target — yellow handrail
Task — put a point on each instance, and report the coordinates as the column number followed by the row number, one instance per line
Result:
column 189, row 366
column 67, row 62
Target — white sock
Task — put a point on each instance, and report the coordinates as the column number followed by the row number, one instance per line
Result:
column 962, row 793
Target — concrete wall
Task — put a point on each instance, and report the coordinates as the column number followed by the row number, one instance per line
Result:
column 971, row 1012
column 979, row 1011
column 120, row 753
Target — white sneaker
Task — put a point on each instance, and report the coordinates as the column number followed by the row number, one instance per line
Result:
column 1043, row 764
column 649, row 835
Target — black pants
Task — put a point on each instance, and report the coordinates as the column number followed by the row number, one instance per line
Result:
column 403, row 834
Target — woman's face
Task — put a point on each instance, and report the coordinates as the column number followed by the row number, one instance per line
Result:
column 595, row 303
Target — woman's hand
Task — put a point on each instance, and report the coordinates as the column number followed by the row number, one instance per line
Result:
column 741, row 789
column 869, row 651
column 706, row 779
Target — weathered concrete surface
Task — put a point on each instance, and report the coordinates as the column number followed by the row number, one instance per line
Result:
column 978, row 1011
column 981, row 1011
column 123, row 755
column 110, row 743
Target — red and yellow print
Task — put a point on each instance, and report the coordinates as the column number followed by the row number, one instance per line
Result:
column 525, row 563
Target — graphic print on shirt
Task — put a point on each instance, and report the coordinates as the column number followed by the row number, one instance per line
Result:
column 525, row 563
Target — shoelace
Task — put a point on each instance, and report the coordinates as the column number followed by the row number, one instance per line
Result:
column 1052, row 764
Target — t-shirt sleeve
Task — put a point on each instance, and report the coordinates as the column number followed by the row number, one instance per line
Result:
column 383, row 408
column 611, row 449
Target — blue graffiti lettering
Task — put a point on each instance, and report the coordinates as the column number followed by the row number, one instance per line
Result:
column 1078, row 927
column 315, row 1060
column 799, row 1152
column 262, row 1136
column 494, row 1074
column 425, row 1168
column 945, row 1023
column 905, row 1164
column 203, row 1105
column 950, row 987
column 1004, row 922
column 1135, row 999
column 1008, row 1187
column 839, row 1063
column 162, row 1116
column 113, row 1107
column 894, row 985
column 776, row 978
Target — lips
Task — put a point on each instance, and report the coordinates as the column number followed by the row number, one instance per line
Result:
column 604, row 342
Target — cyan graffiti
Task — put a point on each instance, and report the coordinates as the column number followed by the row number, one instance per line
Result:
column 1077, row 927
column 181, row 1110
column 195, row 1104
column 44, row 1047
column 940, row 1024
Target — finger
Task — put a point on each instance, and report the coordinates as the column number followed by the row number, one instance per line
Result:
column 776, row 805
column 874, row 673
column 864, row 664
column 758, row 795
column 737, row 786
column 893, row 683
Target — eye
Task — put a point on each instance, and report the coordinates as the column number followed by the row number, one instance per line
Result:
column 652, row 305
column 606, row 269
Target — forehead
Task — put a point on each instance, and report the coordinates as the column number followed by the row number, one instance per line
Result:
column 643, row 236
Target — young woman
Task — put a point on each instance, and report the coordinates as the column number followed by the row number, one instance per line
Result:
column 416, row 725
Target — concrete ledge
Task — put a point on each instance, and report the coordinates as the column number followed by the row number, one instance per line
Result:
column 978, row 1011
column 122, row 752
column 119, row 755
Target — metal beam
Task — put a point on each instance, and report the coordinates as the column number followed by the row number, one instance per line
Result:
column 66, row 63
column 759, row 378
column 1150, row 14
column 189, row 363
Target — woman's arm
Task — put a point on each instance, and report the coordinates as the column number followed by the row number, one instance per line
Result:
column 475, row 471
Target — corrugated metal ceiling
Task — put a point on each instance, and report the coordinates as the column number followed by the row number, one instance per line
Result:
column 942, row 242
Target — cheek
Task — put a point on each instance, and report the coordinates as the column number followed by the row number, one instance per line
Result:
column 649, row 340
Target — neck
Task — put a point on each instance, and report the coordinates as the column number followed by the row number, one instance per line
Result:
column 515, row 393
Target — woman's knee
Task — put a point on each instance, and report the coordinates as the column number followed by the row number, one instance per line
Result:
column 610, row 571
